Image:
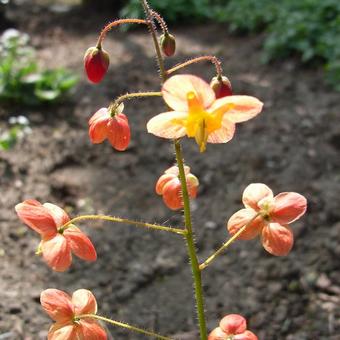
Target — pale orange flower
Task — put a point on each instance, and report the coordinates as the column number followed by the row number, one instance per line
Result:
column 66, row 311
column 57, row 244
column 169, row 186
column 232, row 326
column 275, row 213
column 198, row 114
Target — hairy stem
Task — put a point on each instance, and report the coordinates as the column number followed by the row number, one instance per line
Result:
column 212, row 257
column 115, row 23
column 160, row 21
column 191, row 244
column 212, row 59
column 123, row 220
column 124, row 325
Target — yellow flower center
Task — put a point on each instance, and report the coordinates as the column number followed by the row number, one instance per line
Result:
column 200, row 124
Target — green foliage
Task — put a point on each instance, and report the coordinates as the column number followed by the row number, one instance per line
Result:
column 20, row 79
column 308, row 28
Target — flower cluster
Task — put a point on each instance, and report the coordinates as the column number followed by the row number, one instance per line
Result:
column 57, row 243
column 169, row 187
column 269, row 217
column 68, row 312
column 232, row 327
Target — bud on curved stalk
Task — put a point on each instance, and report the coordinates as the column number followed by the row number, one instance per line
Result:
column 168, row 44
column 222, row 87
column 96, row 63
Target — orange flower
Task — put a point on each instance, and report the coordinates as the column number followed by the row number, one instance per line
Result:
column 198, row 114
column 169, row 186
column 115, row 128
column 232, row 326
column 275, row 213
column 67, row 311
column 56, row 243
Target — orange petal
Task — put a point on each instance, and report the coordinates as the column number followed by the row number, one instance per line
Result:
column 92, row 330
column 222, row 135
column 247, row 335
column 98, row 130
column 237, row 108
column 166, row 125
column 80, row 244
column 277, row 239
column 176, row 88
column 233, row 324
column 57, row 253
column 84, row 302
column 254, row 193
column 62, row 331
column 172, row 194
column 37, row 217
column 118, row 132
column 59, row 215
column 164, row 179
column 57, row 304
column 240, row 219
column 288, row 207
column 217, row 334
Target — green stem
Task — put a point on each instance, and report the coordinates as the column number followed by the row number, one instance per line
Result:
column 226, row 244
column 160, row 60
column 124, row 325
column 191, row 244
column 123, row 220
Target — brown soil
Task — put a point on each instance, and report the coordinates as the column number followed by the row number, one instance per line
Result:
column 143, row 277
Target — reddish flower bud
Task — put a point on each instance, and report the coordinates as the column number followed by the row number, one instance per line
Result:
column 96, row 63
column 168, row 44
column 169, row 186
column 221, row 87
column 116, row 129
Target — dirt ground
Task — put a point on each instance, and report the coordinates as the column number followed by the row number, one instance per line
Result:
column 143, row 277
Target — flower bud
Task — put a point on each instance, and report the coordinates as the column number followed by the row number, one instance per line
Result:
column 168, row 44
column 96, row 63
column 116, row 129
column 169, row 186
column 221, row 87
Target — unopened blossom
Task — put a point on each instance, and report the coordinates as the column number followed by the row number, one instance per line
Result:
column 169, row 187
column 57, row 244
column 232, row 327
column 221, row 86
column 96, row 63
column 274, row 214
column 198, row 114
column 67, row 313
column 102, row 125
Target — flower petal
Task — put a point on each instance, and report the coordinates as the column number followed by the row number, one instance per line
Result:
column 80, row 244
column 172, row 194
column 166, row 125
column 288, row 207
column 37, row 217
column 57, row 253
column 118, row 132
column 240, row 219
column 57, row 304
column 247, row 335
column 277, row 239
column 224, row 134
column 92, row 330
column 233, row 324
column 176, row 88
column 62, row 331
column 164, row 179
column 237, row 108
column 59, row 215
column 254, row 193
column 217, row 334
column 84, row 302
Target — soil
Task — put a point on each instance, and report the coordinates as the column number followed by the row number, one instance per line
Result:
column 143, row 277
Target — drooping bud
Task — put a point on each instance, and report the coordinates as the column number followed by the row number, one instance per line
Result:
column 222, row 87
column 116, row 129
column 169, row 186
column 168, row 44
column 96, row 63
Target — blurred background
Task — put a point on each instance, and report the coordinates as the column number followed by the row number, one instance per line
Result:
column 285, row 53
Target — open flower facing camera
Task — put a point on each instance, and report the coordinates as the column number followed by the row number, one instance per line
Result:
column 204, row 111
